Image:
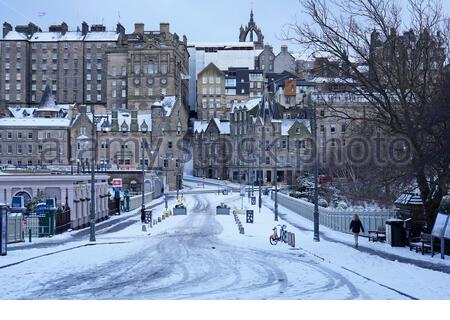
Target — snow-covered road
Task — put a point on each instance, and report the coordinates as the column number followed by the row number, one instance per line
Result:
column 201, row 256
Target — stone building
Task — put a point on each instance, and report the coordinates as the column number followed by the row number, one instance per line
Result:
column 71, row 63
column 265, row 60
column 251, row 30
column 284, row 61
column 211, row 148
column 211, row 93
column 36, row 136
column 259, row 142
column 157, row 66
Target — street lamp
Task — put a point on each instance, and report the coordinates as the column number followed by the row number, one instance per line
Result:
column 276, row 182
column 105, row 127
column 315, row 170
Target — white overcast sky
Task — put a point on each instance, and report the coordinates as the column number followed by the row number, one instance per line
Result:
column 199, row 20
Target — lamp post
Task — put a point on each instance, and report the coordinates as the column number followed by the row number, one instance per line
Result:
column 315, row 171
column 95, row 121
column 143, row 175
column 276, row 182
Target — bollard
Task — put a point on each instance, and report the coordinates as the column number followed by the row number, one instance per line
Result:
column 29, row 235
column 144, row 228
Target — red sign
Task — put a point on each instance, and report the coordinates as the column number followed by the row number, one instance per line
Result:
column 117, row 183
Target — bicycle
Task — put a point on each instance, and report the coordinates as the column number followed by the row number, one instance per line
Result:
column 274, row 238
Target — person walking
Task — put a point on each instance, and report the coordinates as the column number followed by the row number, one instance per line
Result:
column 356, row 227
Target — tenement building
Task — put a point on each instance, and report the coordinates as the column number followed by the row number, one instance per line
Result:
column 259, row 143
column 92, row 65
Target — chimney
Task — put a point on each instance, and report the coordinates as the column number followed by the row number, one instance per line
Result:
column 64, row 28
column 82, row 109
column 6, row 28
column 284, row 49
column 115, row 120
column 120, row 29
column 134, row 127
column 164, row 27
column 139, row 28
column 84, row 28
column 33, row 28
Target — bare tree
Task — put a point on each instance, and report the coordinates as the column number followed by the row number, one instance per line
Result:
column 407, row 84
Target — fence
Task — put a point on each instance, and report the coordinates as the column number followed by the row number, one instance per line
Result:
column 15, row 227
column 337, row 219
column 136, row 201
column 62, row 220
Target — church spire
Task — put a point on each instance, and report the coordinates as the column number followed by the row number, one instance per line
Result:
column 251, row 16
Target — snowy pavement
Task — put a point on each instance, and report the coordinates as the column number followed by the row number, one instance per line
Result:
column 203, row 256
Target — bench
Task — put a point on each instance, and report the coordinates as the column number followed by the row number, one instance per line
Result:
column 422, row 243
column 377, row 235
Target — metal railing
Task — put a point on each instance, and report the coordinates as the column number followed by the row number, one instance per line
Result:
column 337, row 219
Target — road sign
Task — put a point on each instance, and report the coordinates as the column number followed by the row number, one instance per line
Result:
column 249, row 216
column 117, row 182
column 253, row 201
column 242, row 192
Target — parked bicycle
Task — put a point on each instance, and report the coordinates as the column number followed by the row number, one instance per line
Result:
column 274, row 238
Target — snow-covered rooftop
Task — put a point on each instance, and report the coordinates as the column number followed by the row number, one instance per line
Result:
column 250, row 104
column 412, row 198
column 102, row 36
column 200, row 126
column 167, row 103
column 222, row 44
column 286, row 125
column 124, row 120
column 224, row 126
column 15, row 36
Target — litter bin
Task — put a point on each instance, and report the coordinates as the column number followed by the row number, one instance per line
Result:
column 395, row 232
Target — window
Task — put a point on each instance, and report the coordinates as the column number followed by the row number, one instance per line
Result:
column 114, row 94
column 204, row 80
column 124, row 93
column 164, row 68
column 333, row 128
column 169, row 145
column 124, row 71
column 136, row 68
column 10, row 148
column 322, row 128
column 30, row 149
column 343, row 128
column 19, row 149
column 322, row 113
column 19, row 135
column 88, row 97
column 150, row 92
column 30, row 135
column 113, row 71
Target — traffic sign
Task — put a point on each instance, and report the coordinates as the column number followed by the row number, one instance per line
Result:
column 249, row 216
column 253, row 201
column 117, row 182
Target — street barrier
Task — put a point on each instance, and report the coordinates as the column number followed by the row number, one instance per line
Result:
column 337, row 219
column 238, row 222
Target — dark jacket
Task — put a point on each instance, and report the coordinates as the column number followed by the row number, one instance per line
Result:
column 142, row 215
column 356, row 226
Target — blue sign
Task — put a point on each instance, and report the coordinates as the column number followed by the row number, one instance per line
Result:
column 40, row 209
column 17, row 202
